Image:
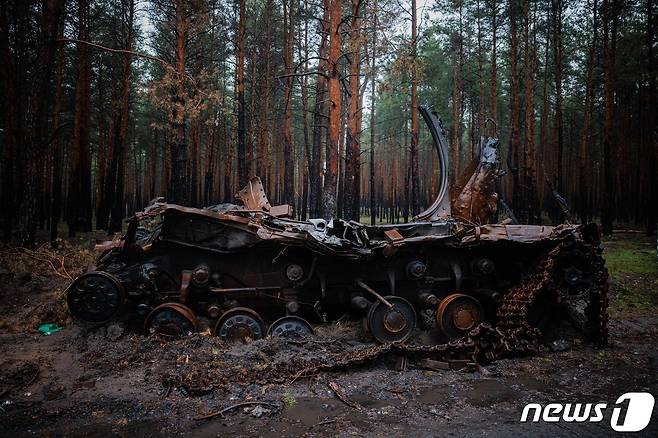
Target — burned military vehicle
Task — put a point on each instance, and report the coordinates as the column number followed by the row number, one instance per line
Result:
column 250, row 271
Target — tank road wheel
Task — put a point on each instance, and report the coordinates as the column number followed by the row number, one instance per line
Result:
column 240, row 324
column 290, row 326
column 394, row 324
column 457, row 314
column 171, row 319
column 95, row 297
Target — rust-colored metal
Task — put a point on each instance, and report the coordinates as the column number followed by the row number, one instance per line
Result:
column 254, row 198
column 186, row 279
column 457, row 314
column 240, row 324
column 374, row 293
column 178, row 309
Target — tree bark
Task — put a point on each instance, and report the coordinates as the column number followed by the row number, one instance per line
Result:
column 335, row 108
column 529, row 171
column 373, row 114
column 319, row 118
column 494, row 72
column 353, row 140
column 79, row 208
column 179, row 184
column 558, row 135
column 288, row 146
column 518, row 200
column 609, row 46
column 413, row 151
column 584, row 158
column 240, row 102
column 58, row 150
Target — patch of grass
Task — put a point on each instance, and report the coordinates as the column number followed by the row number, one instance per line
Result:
column 288, row 399
column 633, row 266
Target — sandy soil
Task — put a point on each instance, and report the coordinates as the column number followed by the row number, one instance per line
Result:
column 112, row 380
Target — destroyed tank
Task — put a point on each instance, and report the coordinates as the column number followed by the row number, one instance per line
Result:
column 250, row 271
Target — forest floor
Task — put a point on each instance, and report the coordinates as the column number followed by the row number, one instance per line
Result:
column 111, row 380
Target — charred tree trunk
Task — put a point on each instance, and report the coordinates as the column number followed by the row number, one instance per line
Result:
column 457, row 100
column 518, row 200
column 373, row 118
column 558, row 135
column 288, row 146
column 335, row 109
column 529, row 172
column 319, row 119
column 117, row 210
column 79, row 208
column 58, row 150
column 652, row 162
column 413, row 151
column 239, row 92
column 179, row 184
column 352, row 182
column 494, row 71
column 584, row 208
column 609, row 46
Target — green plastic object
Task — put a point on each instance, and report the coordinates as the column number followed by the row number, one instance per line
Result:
column 49, row 328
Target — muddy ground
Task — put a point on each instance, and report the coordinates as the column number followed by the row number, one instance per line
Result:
column 111, row 380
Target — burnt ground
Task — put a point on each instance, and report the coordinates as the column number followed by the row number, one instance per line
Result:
column 111, row 380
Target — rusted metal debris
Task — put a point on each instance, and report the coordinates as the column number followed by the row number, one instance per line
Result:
column 250, row 271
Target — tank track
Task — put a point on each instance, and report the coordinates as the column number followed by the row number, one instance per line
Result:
column 513, row 335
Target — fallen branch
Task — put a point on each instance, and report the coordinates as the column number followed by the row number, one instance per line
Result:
column 342, row 397
column 230, row 408
column 322, row 423
column 48, row 259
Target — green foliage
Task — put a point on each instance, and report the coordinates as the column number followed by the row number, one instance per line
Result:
column 288, row 399
column 633, row 267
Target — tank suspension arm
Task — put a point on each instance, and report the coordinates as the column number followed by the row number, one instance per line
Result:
column 370, row 290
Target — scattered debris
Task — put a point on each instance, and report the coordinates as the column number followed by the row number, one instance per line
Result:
column 340, row 394
column 221, row 412
column 561, row 345
column 49, row 328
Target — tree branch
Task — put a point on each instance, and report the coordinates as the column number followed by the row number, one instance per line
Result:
column 110, row 49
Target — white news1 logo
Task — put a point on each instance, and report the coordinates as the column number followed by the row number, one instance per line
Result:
column 638, row 412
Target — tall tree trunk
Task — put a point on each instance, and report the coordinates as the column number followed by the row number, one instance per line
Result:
column 583, row 158
column 609, row 46
column 319, row 119
column 457, row 99
column 494, row 72
column 114, row 185
column 58, row 150
column 179, row 184
column 79, row 209
column 239, row 87
column 480, row 116
column 652, row 162
column 373, row 118
column 558, row 135
column 529, row 171
column 335, row 109
column 413, row 151
column 353, row 140
column 305, row 169
column 288, row 146
column 515, row 108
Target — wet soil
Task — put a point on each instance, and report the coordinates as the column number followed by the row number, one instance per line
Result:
column 113, row 381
